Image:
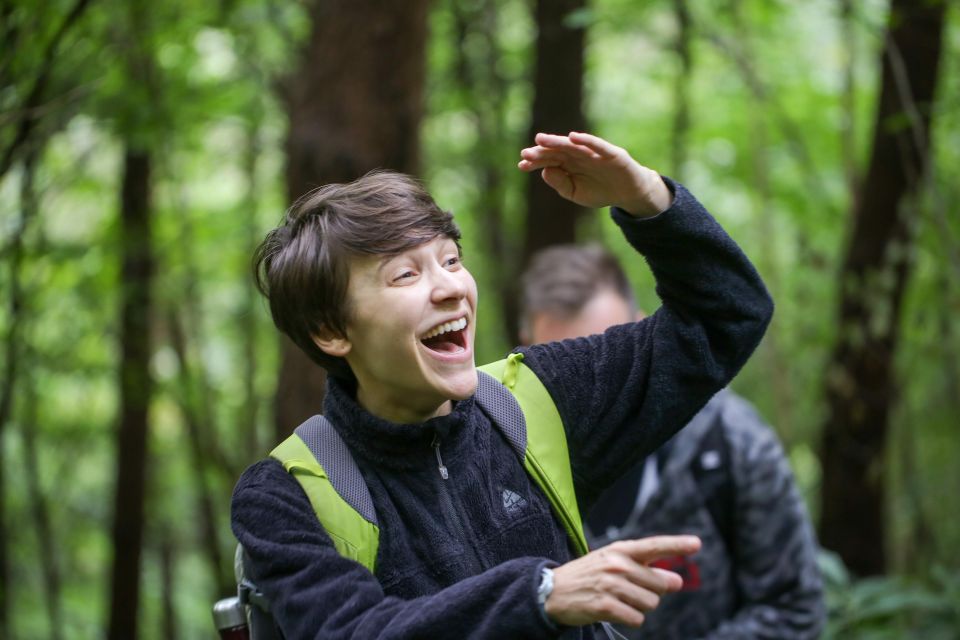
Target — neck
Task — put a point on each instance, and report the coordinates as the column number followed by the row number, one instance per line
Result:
column 401, row 412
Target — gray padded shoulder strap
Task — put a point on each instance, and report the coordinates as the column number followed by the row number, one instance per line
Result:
column 504, row 411
column 332, row 453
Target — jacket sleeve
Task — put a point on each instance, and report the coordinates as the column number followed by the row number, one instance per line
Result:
column 775, row 560
column 316, row 593
column 622, row 394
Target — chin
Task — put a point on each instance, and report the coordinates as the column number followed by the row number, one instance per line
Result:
column 463, row 386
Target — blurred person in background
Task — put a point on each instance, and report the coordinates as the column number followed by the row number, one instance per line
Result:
column 723, row 477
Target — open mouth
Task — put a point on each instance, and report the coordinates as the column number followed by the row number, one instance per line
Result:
column 448, row 337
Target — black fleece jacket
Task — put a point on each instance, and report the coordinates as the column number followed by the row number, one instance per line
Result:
column 461, row 557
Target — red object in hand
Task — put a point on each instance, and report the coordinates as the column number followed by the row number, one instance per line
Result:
column 685, row 567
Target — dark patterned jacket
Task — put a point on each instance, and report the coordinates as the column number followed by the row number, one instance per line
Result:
column 756, row 575
column 462, row 557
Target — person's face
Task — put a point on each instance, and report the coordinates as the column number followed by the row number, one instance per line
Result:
column 604, row 310
column 409, row 337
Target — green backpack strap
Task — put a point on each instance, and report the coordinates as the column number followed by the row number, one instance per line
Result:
column 520, row 406
column 321, row 462
column 536, row 433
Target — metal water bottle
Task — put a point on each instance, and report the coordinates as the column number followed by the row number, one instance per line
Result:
column 231, row 620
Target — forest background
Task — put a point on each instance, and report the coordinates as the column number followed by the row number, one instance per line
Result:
column 145, row 149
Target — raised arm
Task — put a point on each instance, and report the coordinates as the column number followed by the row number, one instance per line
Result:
column 624, row 393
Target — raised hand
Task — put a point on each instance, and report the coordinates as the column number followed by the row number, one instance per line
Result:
column 594, row 173
column 615, row 583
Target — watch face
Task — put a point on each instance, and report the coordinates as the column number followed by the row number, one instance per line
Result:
column 546, row 585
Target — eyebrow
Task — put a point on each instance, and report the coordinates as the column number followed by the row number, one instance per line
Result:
column 386, row 259
column 392, row 256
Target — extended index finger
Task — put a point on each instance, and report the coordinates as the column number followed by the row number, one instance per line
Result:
column 647, row 550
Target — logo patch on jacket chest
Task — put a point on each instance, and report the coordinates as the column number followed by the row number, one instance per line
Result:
column 512, row 501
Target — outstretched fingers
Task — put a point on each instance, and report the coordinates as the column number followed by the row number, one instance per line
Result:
column 646, row 550
column 597, row 173
column 615, row 583
column 596, row 144
column 553, row 150
column 564, row 143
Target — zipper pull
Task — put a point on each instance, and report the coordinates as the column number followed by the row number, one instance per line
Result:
column 440, row 465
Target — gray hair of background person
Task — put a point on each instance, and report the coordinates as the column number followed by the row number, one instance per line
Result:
column 562, row 279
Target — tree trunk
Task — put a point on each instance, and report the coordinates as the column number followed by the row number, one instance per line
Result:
column 557, row 108
column 860, row 385
column 486, row 93
column 196, row 420
column 681, row 89
column 13, row 349
column 39, row 504
column 135, row 388
column 354, row 104
column 30, row 111
column 848, row 128
column 774, row 359
column 47, row 544
column 168, row 556
column 248, row 421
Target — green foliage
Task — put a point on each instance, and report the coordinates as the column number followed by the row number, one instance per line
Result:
column 770, row 146
column 890, row 607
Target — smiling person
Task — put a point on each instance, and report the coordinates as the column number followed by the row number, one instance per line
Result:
column 433, row 500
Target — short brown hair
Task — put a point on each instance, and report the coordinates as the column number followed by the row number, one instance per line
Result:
column 302, row 266
column 562, row 279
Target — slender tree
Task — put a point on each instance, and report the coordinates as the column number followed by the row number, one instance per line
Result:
column 168, row 554
column 247, row 420
column 485, row 87
column 28, row 112
column 761, row 195
column 13, row 354
column 198, row 420
column 135, row 389
column 354, row 103
column 681, row 89
column 47, row 547
column 860, row 385
column 27, row 75
column 557, row 108
column 848, row 124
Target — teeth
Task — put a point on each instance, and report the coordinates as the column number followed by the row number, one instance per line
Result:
column 455, row 325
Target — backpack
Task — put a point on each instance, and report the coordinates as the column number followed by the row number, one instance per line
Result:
column 715, row 481
column 711, row 469
column 518, row 405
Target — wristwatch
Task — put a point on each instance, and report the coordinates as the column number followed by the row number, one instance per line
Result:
column 546, row 586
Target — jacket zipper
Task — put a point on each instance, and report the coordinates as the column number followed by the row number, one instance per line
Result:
column 451, row 514
column 436, row 448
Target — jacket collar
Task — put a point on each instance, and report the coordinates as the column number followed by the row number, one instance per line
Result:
column 389, row 444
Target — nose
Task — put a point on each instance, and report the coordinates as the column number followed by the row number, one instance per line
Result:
column 448, row 285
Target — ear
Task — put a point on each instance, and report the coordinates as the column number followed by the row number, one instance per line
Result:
column 332, row 343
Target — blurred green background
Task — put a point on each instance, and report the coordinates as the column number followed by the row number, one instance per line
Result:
column 148, row 147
